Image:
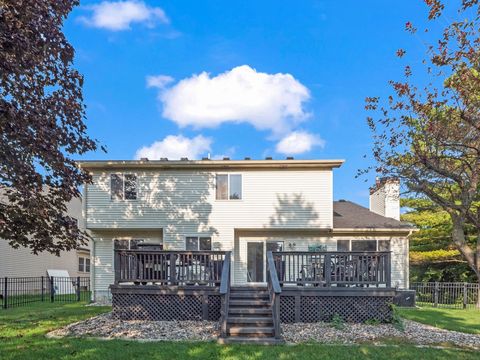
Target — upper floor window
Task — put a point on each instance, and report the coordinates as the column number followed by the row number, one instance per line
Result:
column 123, row 186
column 229, row 187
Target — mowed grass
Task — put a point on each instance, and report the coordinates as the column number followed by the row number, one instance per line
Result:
column 22, row 336
column 467, row 320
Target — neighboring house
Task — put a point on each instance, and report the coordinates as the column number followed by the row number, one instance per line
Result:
column 22, row 263
column 248, row 207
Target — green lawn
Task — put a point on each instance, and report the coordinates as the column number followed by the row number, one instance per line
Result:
column 22, row 337
column 467, row 321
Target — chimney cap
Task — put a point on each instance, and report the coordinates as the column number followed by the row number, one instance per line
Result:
column 226, row 158
column 144, row 159
column 184, row 159
column 247, row 158
column 268, row 158
column 163, row 159
column 289, row 158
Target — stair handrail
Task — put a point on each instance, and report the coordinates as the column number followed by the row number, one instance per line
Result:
column 274, row 291
column 225, row 293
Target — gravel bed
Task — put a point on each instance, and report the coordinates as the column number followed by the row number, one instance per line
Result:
column 105, row 326
column 414, row 332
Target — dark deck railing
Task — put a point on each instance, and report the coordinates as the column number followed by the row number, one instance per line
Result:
column 169, row 267
column 274, row 291
column 225, row 293
column 334, row 268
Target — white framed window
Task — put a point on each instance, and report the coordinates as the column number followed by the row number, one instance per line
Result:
column 126, row 244
column 198, row 243
column 228, row 187
column 363, row 245
column 83, row 264
column 123, row 186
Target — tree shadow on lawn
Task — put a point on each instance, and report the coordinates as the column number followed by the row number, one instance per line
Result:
column 467, row 321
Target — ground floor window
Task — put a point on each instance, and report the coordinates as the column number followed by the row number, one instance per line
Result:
column 363, row 245
column 126, row 244
column 83, row 264
column 198, row 243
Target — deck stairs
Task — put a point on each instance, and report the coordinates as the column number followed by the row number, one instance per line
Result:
column 250, row 318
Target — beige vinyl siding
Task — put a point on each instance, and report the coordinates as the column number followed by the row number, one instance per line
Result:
column 22, row 263
column 183, row 203
column 399, row 249
column 292, row 242
column 102, row 258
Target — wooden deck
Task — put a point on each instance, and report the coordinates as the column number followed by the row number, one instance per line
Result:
column 301, row 287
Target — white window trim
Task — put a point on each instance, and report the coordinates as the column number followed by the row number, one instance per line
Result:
column 84, row 265
column 198, row 236
column 376, row 243
column 228, row 186
column 122, row 175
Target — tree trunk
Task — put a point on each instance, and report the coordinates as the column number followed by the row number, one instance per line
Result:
column 472, row 257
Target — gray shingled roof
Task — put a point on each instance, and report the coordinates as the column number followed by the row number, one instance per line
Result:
column 348, row 215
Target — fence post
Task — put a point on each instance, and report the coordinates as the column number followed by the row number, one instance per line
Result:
column 5, row 293
column 43, row 290
column 78, row 288
column 52, row 290
column 435, row 295
column 465, row 295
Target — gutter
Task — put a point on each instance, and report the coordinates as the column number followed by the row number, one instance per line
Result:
column 211, row 164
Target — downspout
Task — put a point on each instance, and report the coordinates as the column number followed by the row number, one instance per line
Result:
column 91, row 243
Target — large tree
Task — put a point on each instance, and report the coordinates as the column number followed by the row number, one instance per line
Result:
column 433, row 257
column 428, row 135
column 41, row 126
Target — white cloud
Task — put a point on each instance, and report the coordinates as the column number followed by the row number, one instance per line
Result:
column 158, row 81
column 267, row 101
column 298, row 142
column 119, row 15
column 175, row 147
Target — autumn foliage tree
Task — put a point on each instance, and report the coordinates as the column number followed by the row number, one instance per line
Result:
column 429, row 136
column 41, row 126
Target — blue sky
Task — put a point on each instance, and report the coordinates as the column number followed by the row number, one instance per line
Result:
column 244, row 78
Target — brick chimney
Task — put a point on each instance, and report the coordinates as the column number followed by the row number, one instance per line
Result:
column 385, row 198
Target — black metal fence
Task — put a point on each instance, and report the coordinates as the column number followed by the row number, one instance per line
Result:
column 21, row 291
column 447, row 295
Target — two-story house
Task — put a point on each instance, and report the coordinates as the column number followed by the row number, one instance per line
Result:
column 247, row 207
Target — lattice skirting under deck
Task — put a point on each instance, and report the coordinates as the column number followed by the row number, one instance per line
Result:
column 142, row 306
column 355, row 309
